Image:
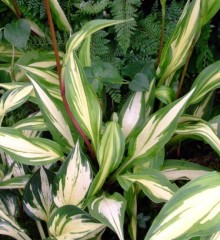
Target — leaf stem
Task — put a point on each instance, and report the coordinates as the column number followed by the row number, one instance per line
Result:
column 62, row 84
column 40, row 230
column 12, row 64
column 17, row 11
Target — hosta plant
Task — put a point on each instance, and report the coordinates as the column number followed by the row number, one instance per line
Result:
column 75, row 190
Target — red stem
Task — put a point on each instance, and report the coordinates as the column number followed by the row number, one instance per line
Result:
column 62, row 84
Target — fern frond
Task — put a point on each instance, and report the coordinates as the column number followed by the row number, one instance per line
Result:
column 91, row 7
column 115, row 94
column 125, row 9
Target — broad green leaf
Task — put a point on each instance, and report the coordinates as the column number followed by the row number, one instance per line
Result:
column 175, row 51
column 109, row 155
column 17, row 34
column 84, row 54
column 109, row 210
column 13, row 99
column 82, row 100
column 208, row 9
column 31, row 123
column 38, row 196
column 156, row 132
column 193, row 126
column 9, row 203
column 54, row 114
column 11, row 228
column 73, row 179
column 192, row 211
column 208, row 80
column 70, row 222
column 30, row 151
column 182, row 170
column 132, row 114
column 15, row 182
column 59, row 16
column 151, row 181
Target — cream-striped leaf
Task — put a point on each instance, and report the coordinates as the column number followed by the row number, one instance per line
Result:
column 11, row 228
column 165, row 94
column 208, row 80
column 109, row 210
column 110, row 153
column 215, row 124
column 54, row 114
column 132, row 114
column 9, row 203
column 157, row 187
column 192, row 211
column 30, row 151
column 38, row 196
column 59, row 16
column 14, row 98
column 82, row 100
column 15, row 182
column 193, row 126
column 84, row 54
column 70, row 222
column 209, row 8
column 156, row 132
column 182, row 170
column 73, row 179
column 175, row 51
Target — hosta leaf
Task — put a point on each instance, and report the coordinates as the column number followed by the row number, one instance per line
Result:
column 183, row 170
column 192, row 211
column 208, row 80
column 15, row 182
column 110, row 153
column 9, row 203
column 73, row 179
column 31, row 123
column 132, row 113
column 30, row 151
column 215, row 124
column 59, row 16
column 209, row 9
column 9, row 227
column 165, row 94
column 175, row 51
column 54, row 114
column 157, row 131
column 152, row 182
column 109, row 210
column 82, row 100
column 70, row 222
column 193, row 126
column 14, row 98
column 84, row 54
column 38, row 197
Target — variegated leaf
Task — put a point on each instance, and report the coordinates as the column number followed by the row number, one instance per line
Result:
column 182, row 170
column 73, row 179
column 9, row 227
column 110, row 153
column 54, row 114
column 208, row 80
column 9, row 203
column 109, row 210
column 192, row 211
column 193, row 126
column 13, row 99
column 132, row 114
column 15, row 182
column 59, row 16
column 157, row 187
column 84, row 54
column 215, row 125
column 165, row 94
column 30, row 151
column 209, row 8
column 175, row 51
column 70, row 222
column 38, row 197
column 156, row 132
column 82, row 100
